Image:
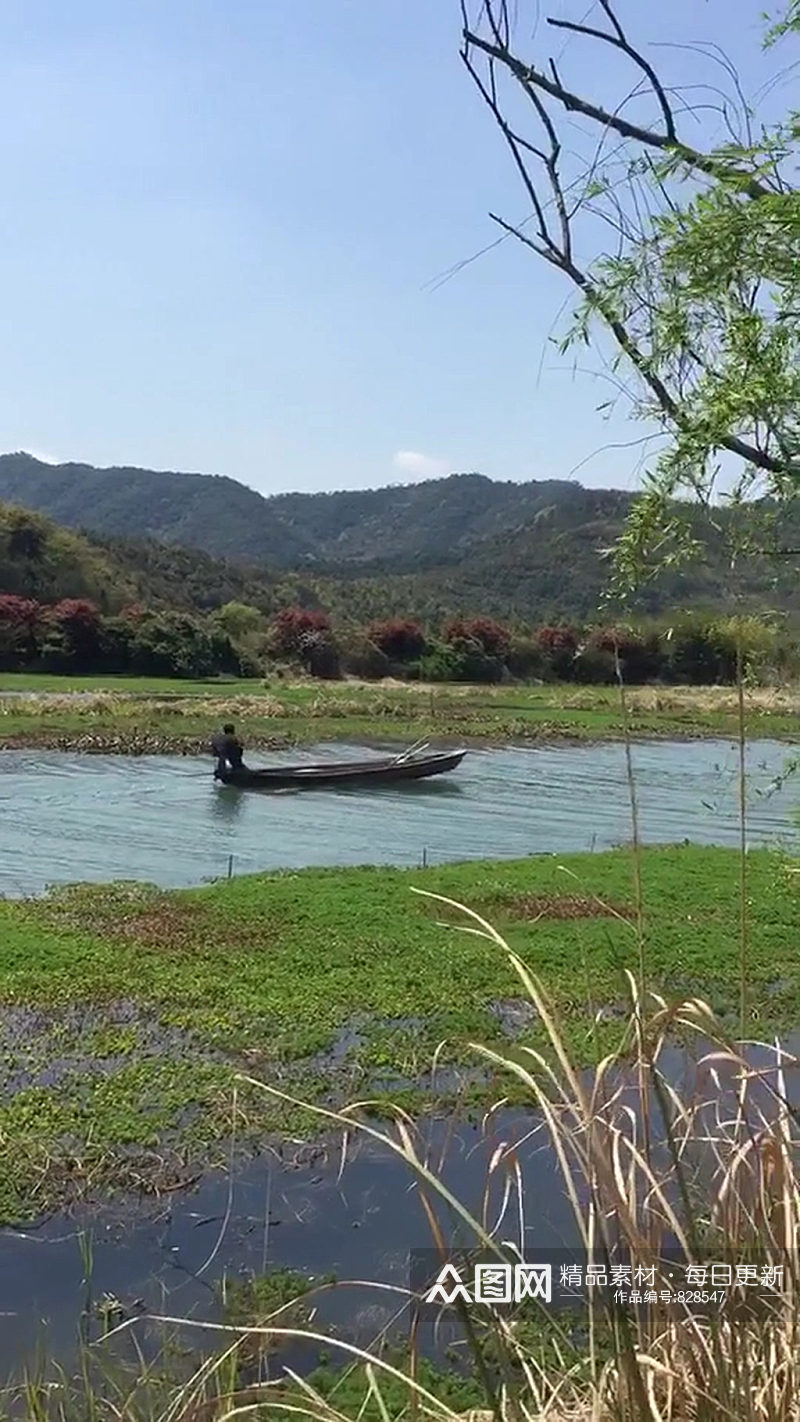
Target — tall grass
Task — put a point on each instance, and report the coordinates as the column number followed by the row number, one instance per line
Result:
column 717, row 1181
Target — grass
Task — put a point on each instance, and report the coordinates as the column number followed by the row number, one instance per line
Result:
column 127, row 1011
column 156, row 1391
column 151, row 717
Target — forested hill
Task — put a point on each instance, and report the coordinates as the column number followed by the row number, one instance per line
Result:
column 42, row 561
column 456, row 546
column 396, row 529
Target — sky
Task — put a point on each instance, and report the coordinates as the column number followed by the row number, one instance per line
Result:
column 224, row 222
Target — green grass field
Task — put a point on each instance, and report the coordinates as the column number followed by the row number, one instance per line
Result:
column 151, row 717
column 127, row 1012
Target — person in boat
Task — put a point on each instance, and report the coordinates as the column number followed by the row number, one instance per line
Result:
column 228, row 749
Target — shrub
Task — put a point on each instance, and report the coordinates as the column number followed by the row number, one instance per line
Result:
column 526, row 660
column 117, row 635
column 320, row 656
column 361, row 658
column 406, row 671
column 20, row 627
column 557, row 639
column 594, row 666
column 440, row 663
column 492, row 637
column 559, row 646
column 250, row 666
column 174, row 644
column 294, row 624
column 641, row 657
column 461, row 661
column 224, row 655
column 401, row 639
column 72, row 639
column 699, row 654
column 759, row 641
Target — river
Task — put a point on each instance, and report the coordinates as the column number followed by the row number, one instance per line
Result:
column 67, row 817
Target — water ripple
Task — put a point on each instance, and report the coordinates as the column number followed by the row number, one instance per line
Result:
column 65, row 817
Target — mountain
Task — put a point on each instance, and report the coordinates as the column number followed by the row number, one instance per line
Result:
column 211, row 513
column 462, row 545
column 395, row 529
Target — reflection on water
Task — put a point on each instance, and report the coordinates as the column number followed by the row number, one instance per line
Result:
column 65, row 817
column 227, row 806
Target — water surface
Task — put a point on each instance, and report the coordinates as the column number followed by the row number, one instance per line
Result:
column 319, row 1215
column 66, row 817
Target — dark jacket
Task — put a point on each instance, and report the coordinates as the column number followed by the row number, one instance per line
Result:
column 228, row 751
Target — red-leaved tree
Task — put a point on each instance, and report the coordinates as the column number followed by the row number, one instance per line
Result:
column 557, row 639
column 492, row 637
column 73, row 629
column 18, row 611
column 559, row 645
column 293, row 627
column 401, row 639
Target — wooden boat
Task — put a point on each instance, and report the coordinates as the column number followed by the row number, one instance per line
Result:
column 387, row 771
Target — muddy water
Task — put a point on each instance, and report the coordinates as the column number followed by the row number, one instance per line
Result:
column 65, row 817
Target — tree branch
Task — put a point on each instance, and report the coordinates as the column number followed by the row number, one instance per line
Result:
column 532, row 79
column 669, row 405
column 619, row 41
column 555, row 241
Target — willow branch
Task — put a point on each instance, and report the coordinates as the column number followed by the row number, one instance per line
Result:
column 554, row 240
column 619, row 41
column 667, row 402
column 534, row 80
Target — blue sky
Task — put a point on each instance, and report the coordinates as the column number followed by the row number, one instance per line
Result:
column 221, row 226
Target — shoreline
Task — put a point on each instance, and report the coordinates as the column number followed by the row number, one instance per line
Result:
column 135, row 744
column 140, row 722
column 151, row 721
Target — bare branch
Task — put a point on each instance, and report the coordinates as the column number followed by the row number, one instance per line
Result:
column 619, row 41
column 532, row 79
column 549, row 256
column 490, row 99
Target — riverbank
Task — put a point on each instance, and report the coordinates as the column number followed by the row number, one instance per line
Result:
column 143, row 719
column 127, row 1012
